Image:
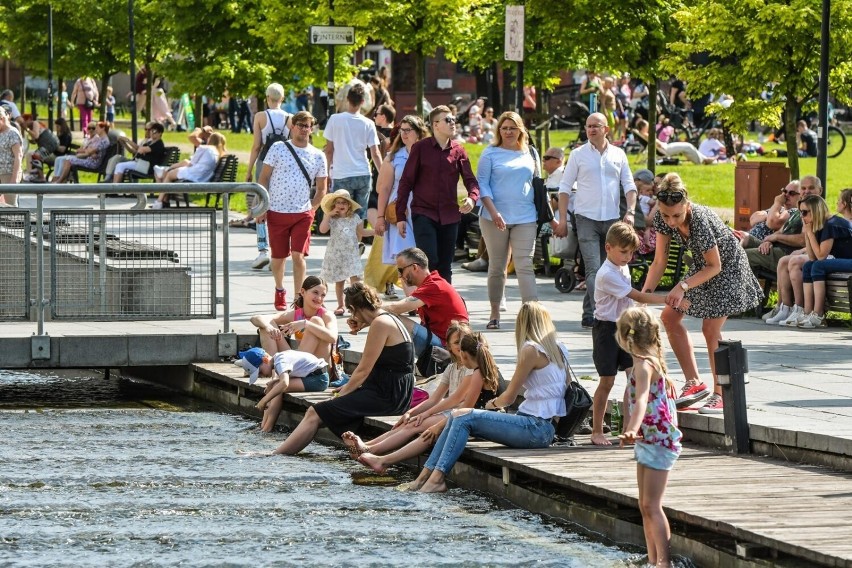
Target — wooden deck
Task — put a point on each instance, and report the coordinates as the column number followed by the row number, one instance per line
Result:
column 801, row 513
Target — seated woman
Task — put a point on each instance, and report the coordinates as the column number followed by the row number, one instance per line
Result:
column 672, row 149
column 89, row 156
column 199, row 168
column 471, row 353
column 541, row 369
column 314, row 328
column 148, row 153
column 382, row 383
column 828, row 241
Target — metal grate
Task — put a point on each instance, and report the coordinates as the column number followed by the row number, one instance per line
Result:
column 15, row 269
column 131, row 265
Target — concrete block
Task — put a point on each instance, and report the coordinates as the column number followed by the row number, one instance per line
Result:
column 97, row 352
column 772, row 435
column 160, row 349
column 16, row 353
column 811, row 441
column 840, row 446
column 207, row 348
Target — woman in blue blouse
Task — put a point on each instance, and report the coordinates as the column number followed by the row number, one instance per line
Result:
column 507, row 213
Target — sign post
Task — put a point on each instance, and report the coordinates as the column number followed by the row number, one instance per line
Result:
column 513, row 49
column 331, row 35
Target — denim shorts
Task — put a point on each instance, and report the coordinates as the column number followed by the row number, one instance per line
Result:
column 316, row 381
column 656, row 457
column 419, row 335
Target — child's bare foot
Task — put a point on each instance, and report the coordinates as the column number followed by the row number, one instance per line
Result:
column 600, row 439
column 431, row 487
column 372, row 461
column 354, row 444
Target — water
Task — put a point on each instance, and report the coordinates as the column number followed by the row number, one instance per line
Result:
column 97, row 472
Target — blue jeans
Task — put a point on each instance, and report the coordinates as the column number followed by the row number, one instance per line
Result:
column 819, row 269
column 438, row 242
column 359, row 189
column 419, row 335
column 513, row 430
column 592, row 237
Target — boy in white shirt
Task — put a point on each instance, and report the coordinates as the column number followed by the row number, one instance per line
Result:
column 614, row 293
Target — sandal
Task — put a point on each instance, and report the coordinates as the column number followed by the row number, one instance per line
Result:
column 493, row 324
column 339, row 312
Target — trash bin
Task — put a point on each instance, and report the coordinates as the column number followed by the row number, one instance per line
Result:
column 755, row 186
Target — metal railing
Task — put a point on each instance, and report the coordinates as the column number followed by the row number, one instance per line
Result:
column 111, row 264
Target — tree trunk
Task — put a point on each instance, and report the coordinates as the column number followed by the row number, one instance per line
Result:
column 149, row 91
column 543, row 109
column 102, row 99
column 419, row 79
column 791, row 109
column 652, row 124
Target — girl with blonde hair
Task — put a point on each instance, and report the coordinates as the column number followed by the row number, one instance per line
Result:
column 540, row 370
column 650, row 397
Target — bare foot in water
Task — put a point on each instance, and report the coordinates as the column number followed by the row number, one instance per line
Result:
column 372, row 461
column 430, row 487
column 600, row 440
column 354, row 444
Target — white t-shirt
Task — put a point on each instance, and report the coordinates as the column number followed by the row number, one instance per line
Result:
column 453, row 376
column 711, row 147
column 202, row 165
column 612, row 284
column 552, row 181
column 297, row 363
column 352, row 135
column 289, row 191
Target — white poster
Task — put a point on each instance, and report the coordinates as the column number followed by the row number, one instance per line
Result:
column 514, row 39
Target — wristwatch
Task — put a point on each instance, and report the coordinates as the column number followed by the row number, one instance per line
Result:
column 684, row 286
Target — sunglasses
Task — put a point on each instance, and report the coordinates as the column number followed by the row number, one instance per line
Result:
column 804, row 212
column 789, row 192
column 449, row 119
column 90, row 128
column 402, row 270
column 671, row 197
column 550, row 158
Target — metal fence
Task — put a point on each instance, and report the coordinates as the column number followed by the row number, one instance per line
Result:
column 133, row 265
column 15, row 264
column 116, row 264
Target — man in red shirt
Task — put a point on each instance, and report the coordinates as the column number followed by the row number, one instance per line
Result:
column 435, row 300
column 432, row 174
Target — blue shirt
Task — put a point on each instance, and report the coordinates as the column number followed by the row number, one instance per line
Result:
column 840, row 230
column 506, row 177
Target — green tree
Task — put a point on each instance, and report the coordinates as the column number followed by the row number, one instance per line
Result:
column 749, row 46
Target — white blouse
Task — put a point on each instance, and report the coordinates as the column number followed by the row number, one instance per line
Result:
column 545, row 388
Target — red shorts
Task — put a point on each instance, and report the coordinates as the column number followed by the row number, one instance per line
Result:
column 289, row 232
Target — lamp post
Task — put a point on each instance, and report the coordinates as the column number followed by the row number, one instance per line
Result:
column 133, row 125
column 822, row 141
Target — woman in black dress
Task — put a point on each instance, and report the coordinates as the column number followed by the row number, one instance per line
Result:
column 382, row 383
column 719, row 283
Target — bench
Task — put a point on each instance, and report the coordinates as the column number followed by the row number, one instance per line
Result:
column 676, row 266
column 226, row 171
column 170, row 158
column 114, row 149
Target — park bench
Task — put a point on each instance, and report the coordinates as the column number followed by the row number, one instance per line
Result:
column 838, row 290
column 226, row 171
column 170, row 158
column 113, row 149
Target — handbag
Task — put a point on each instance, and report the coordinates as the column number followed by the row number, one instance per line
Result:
column 541, row 199
column 432, row 360
column 142, row 166
column 89, row 103
column 560, row 247
column 578, row 403
column 390, row 212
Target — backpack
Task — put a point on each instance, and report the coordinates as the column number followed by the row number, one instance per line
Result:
column 274, row 136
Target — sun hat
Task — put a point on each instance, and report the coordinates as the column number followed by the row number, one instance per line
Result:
column 251, row 360
column 327, row 203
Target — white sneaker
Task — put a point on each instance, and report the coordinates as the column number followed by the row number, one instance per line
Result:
column 812, row 321
column 261, row 260
column 782, row 314
column 503, row 307
column 157, row 205
column 773, row 313
column 793, row 319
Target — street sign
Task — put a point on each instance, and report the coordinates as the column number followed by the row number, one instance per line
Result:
column 514, row 34
column 332, row 35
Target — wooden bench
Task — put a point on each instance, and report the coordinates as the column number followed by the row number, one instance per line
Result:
column 226, row 171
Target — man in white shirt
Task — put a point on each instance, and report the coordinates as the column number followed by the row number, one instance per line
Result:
column 552, row 162
column 349, row 135
column 291, row 209
column 601, row 172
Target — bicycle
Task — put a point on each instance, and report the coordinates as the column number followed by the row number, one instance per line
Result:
column 835, row 141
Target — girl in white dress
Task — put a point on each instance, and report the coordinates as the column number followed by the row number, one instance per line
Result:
column 342, row 258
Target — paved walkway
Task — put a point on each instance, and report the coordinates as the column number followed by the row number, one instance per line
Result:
column 800, row 380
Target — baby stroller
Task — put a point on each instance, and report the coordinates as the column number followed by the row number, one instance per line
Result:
column 567, row 249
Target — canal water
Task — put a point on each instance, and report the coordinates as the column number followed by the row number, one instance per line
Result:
column 113, row 472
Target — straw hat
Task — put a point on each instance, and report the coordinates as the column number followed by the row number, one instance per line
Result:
column 327, row 202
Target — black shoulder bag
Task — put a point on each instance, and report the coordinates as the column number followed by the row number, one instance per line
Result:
column 544, row 213
column 432, row 360
column 298, row 161
column 578, row 403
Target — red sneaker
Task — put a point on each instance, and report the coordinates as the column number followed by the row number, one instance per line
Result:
column 691, row 393
column 280, row 300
